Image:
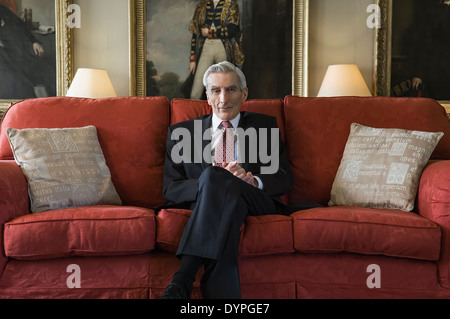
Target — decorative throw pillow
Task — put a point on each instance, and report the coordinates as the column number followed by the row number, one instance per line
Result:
column 381, row 168
column 64, row 167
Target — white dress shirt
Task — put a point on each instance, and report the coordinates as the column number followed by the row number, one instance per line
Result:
column 217, row 134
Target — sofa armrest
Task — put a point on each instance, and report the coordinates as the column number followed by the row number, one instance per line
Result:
column 14, row 201
column 433, row 203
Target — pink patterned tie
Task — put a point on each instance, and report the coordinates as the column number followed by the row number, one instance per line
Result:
column 224, row 152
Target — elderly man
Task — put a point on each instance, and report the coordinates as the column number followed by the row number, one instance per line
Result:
column 222, row 182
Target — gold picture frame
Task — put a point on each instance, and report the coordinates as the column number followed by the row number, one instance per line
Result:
column 383, row 52
column 383, row 49
column 299, row 47
column 137, row 9
column 64, row 53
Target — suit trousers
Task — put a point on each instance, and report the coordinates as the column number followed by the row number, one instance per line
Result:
column 213, row 230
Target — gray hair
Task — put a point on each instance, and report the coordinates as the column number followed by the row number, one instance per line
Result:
column 225, row 67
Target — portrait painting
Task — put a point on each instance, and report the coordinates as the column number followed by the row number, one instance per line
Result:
column 257, row 38
column 27, row 49
column 420, row 58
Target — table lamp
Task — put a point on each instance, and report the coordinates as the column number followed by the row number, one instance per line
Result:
column 343, row 80
column 91, row 83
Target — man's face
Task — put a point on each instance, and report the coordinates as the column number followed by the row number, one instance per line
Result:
column 225, row 96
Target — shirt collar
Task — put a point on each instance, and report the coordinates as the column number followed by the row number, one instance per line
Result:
column 216, row 121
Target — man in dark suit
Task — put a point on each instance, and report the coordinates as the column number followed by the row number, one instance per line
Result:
column 223, row 191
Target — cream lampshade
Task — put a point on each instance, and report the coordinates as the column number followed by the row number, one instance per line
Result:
column 343, row 80
column 91, row 83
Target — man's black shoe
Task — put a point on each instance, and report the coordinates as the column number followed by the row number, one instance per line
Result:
column 174, row 291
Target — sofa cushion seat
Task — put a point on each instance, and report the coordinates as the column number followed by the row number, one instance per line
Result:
column 170, row 225
column 104, row 230
column 260, row 235
column 266, row 235
column 366, row 231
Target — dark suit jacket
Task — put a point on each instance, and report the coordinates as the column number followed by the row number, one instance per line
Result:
column 180, row 179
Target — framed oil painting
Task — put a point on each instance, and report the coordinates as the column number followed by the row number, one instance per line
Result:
column 413, row 49
column 35, row 50
column 272, row 38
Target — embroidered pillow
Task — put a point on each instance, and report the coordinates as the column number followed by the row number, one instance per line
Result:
column 64, row 167
column 381, row 167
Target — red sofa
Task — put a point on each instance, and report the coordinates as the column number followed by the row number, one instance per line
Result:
column 128, row 252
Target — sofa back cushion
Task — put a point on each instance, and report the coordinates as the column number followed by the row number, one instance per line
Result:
column 131, row 131
column 317, row 130
column 183, row 109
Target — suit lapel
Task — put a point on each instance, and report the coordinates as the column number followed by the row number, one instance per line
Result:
column 206, row 143
column 244, row 123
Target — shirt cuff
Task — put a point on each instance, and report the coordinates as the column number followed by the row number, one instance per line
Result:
column 260, row 183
